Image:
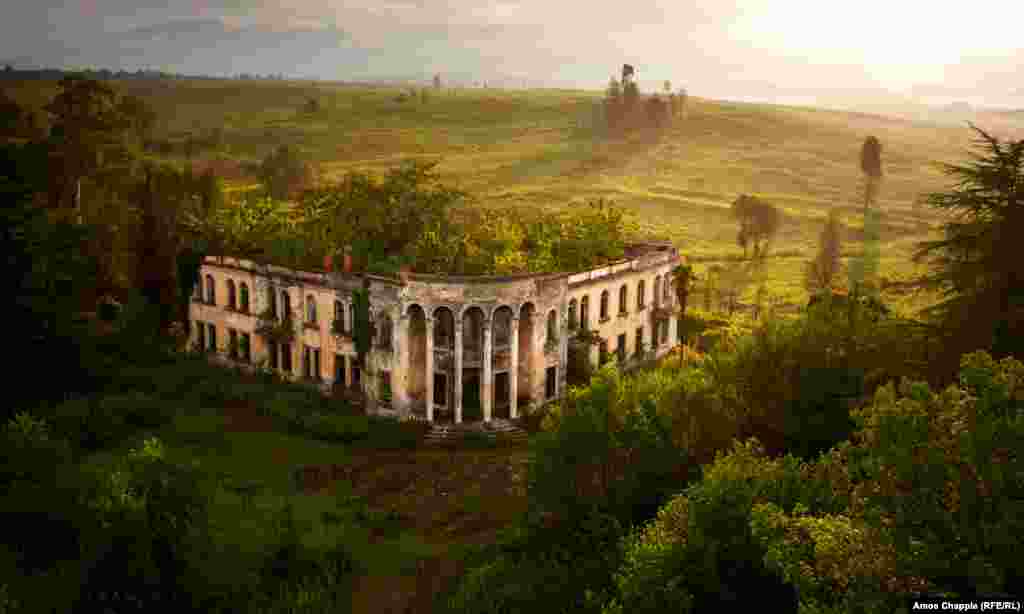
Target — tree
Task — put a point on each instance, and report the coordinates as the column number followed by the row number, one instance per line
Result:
column 683, row 279
column 823, row 271
column 88, row 134
column 977, row 265
column 871, row 166
column 140, row 116
column 11, row 116
column 284, row 173
column 759, row 223
column 864, row 269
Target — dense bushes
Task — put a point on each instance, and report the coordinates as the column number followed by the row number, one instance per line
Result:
column 563, row 567
column 926, row 497
column 599, row 451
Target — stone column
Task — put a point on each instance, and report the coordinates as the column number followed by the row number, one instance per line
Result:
column 487, row 383
column 401, row 346
column 513, row 371
column 457, row 385
column 428, row 369
column 563, row 349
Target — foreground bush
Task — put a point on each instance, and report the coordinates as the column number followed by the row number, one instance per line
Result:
column 926, row 497
column 561, row 567
column 700, row 553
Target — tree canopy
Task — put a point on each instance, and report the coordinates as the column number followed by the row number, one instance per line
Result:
column 977, row 264
column 759, row 223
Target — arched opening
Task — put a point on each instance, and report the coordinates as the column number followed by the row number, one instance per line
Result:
column 272, row 301
column 552, row 327
column 572, row 314
column 657, row 290
column 667, row 290
column 472, row 363
column 640, row 294
column 585, row 313
column 232, row 296
column 502, row 362
column 244, row 296
column 623, row 298
column 604, row 305
column 444, row 362
column 527, row 358
column 417, row 347
column 211, row 291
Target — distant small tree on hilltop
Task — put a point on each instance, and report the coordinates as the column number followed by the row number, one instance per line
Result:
column 759, row 223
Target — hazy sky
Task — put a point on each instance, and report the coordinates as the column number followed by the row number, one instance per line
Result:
column 753, row 49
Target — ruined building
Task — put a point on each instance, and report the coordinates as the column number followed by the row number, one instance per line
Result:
column 445, row 348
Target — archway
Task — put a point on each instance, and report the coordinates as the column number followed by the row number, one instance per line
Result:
column 472, row 363
column 444, row 361
column 502, row 362
column 417, row 376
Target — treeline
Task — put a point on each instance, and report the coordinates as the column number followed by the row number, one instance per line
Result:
column 624, row 108
column 104, row 74
column 841, row 461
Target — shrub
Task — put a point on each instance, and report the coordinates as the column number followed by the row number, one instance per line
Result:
column 564, row 567
column 700, row 554
column 600, row 450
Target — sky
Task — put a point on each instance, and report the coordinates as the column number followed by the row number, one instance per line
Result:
column 766, row 50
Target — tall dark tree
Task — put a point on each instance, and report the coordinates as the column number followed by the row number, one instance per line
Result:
column 977, row 265
column 87, row 135
column 871, row 166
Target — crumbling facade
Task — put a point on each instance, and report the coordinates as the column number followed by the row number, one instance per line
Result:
column 446, row 348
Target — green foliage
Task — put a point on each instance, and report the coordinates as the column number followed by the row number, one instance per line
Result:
column 362, row 327
column 974, row 265
column 565, row 567
column 823, row 272
column 759, row 223
column 700, row 553
column 600, row 451
column 284, row 173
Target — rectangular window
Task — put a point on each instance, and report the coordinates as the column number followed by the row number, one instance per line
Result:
column 286, row 357
column 440, row 390
column 246, row 347
column 213, row 337
column 339, row 369
column 233, row 343
column 621, row 350
column 273, row 353
column 385, row 386
column 550, row 383
column 201, row 335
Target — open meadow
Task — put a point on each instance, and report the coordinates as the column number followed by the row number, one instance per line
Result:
column 548, row 148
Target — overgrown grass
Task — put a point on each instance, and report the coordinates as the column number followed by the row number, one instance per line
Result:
column 538, row 147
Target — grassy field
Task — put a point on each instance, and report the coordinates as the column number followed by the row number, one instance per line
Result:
column 543, row 148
